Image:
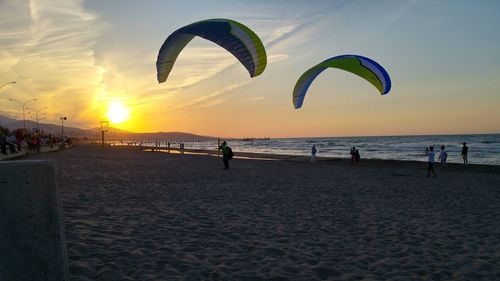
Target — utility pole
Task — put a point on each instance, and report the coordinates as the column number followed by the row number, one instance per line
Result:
column 62, row 127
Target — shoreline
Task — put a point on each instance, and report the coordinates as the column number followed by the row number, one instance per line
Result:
column 484, row 149
column 297, row 158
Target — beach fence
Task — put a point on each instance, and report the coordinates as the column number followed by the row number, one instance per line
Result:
column 32, row 241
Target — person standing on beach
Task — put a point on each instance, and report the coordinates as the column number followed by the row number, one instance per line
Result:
column 465, row 151
column 431, row 157
column 353, row 155
column 313, row 153
column 227, row 154
column 442, row 156
column 357, row 157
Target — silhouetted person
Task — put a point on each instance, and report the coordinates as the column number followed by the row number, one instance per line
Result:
column 357, row 157
column 353, row 155
column 38, row 144
column 431, row 157
column 3, row 144
column 442, row 156
column 227, row 154
column 313, row 153
column 465, row 151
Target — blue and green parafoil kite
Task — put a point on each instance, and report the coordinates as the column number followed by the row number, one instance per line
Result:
column 359, row 65
column 233, row 36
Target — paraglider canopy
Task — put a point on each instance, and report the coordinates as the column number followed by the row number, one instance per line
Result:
column 359, row 65
column 233, row 36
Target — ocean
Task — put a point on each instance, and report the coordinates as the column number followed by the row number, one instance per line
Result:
column 483, row 149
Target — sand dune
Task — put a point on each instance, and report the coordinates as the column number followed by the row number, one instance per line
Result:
column 134, row 215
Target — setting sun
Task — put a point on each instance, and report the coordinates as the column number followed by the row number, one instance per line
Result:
column 117, row 112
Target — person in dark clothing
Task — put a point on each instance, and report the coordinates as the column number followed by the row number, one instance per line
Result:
column 357, row 156
column 313, row 153
column 226, row 154
column 465, row 151
column 353, row 155
column 3, row 144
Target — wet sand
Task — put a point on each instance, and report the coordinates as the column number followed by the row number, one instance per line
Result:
column 133, row 215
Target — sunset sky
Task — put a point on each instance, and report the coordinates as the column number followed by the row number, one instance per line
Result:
column 95, row 60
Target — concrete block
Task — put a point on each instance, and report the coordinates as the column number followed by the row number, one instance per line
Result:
column 32, row 241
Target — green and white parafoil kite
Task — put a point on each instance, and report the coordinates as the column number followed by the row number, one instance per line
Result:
column 233, row 36
column 359, row 65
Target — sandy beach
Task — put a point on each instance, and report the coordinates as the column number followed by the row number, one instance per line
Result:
column 133, row 215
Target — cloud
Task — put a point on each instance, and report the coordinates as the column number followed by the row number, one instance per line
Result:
column 47, row 47
column 281, row 31
column 211, row 99
column 256, row 99
column 199, row 62
column 277, row 58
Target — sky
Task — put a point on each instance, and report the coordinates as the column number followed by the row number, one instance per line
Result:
column 96, row 60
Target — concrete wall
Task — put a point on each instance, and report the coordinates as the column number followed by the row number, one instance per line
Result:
column 32, row 242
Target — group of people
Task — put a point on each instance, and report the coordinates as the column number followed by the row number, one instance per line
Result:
column 12, row 142
column 443, row 155
column 227, row 154
column 355, row 156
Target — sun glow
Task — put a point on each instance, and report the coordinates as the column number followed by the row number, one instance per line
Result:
column 118, row 112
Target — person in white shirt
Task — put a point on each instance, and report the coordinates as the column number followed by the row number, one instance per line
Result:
column 431, row 157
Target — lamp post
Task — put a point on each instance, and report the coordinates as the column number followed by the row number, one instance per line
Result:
column 62, row 127
column 13, row 82
column 36, row 112
column 23, row 105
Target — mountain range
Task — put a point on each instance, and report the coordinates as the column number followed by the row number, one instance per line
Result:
column 94, row 133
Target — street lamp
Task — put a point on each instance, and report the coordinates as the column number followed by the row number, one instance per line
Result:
column 36, row 112
column 13, row 82
column 62, row 127
column 23, row 106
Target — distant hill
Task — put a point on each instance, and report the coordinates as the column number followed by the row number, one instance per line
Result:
column 115, row 134
column 50, row 128
column 112, row 134
column 5, row 120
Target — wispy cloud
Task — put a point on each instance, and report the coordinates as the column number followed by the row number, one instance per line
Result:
column 277, row 58
column 211, row 99
column 47, row 47
column 197, row 63
column 256, row 99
